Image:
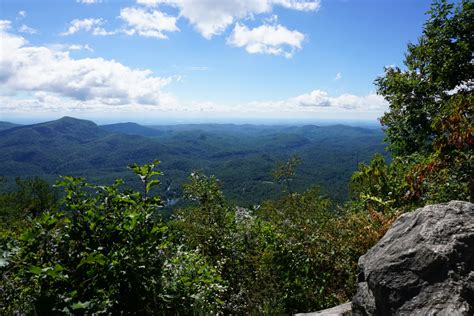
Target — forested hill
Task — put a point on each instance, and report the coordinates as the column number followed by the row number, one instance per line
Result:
column 6, row 125
column 131, row 129
column 241, row 156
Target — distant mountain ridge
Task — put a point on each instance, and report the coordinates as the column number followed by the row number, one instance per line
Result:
column 7, row 125
column 131, row 129
column 241, row 156
column 68, row 127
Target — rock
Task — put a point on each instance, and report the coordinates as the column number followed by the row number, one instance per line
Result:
column 424, row 265
column 340, row 310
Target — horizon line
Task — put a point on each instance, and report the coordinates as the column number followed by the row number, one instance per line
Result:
column 202, row 121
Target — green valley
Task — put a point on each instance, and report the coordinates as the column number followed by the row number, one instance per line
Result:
column 242, row 157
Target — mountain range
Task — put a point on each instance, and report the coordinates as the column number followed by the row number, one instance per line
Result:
column 241, row 156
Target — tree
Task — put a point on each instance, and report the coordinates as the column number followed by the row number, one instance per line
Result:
column 285, row 171
column 430, row 119
column 32, row 197
column 35, row 195
column 438, row 67
column 102, row 251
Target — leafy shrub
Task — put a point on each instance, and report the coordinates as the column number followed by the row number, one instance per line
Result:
column 191, row 285
column 103, row 252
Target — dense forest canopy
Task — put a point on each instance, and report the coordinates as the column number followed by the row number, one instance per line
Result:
column 105, row 248
column 241, row 156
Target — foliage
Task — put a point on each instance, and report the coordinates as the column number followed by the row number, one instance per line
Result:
column 30, row 198
column 106, row 251
column 285, row 172
column 191, row 284
column 430, row 123
column 292, row 245
column 102, row 252
column 303, row 259
column 210, row 229
column 146, row 173
column 271, row 245
column 205, row 226
column 449, row 169
column 384, row 186
column 438, row 66
column 241, row 156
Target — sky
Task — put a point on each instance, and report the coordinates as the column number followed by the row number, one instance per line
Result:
column 155, row 61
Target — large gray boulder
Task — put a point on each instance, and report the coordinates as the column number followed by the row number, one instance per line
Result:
column 424, row 265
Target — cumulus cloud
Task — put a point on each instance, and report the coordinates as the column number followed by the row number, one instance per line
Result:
column 148, row 23
column 316, row 98
column 22, row 14
column 89, row 25
column 338, row 76
column 70, row 47
column 316, row 101
column 38, row 69
column 150, row 3
column 299, row 5
column 5, row 25
column 273, row 19
column 211, row 17
column 321, row 99
column 80, row 47
column 26, row 29
column 266, row 39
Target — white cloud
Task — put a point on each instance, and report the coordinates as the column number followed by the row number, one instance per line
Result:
column 80, row 47
column 5, row 25
column 70, row 47
column 266, row 39
column 338, row 76
column 299, row 5
column 212, row 17
column 321, row 99
column 273, row 19
column 314, row 102
column 150, row 3
column 38, row 69
column 26, row 29
column 89, row 1
column 315, row 98
column 148, row 23
column 89, row 25
column 22, row 14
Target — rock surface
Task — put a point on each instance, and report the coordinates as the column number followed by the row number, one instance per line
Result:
column 340, row 310
column 424, row 265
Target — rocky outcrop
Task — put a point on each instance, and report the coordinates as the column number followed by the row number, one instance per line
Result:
column 424, row 265
column 340, row 310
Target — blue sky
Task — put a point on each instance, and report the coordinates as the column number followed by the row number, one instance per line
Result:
column 204, row 60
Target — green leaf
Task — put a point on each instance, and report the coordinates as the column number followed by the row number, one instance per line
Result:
column 151, row 184
column 27, row 235
column 93, row 259
column 35, row 269
column 81, row 305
